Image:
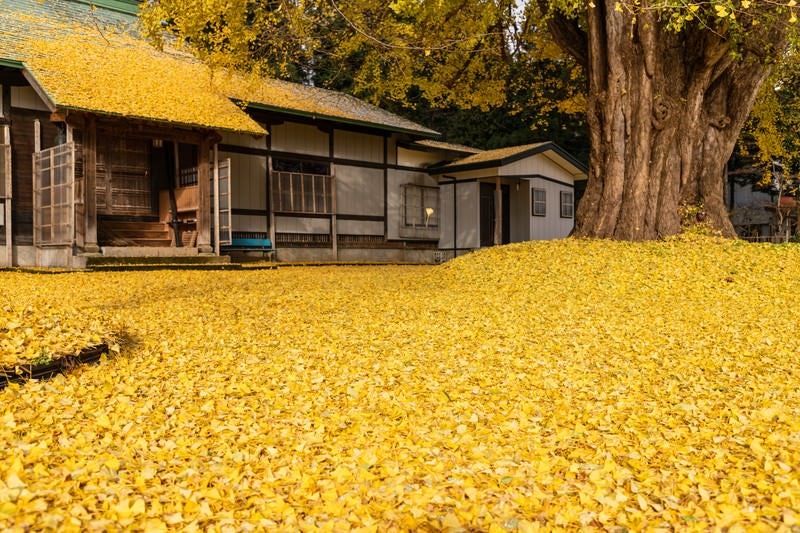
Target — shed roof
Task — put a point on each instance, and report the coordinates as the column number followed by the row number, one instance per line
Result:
column 315, row 102
column 504, row 156
column 82, row 59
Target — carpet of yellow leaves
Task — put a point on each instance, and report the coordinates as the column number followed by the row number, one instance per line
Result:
column 35, row 328
column 557, row 385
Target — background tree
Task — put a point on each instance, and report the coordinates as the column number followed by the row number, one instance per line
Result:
column 670, row 82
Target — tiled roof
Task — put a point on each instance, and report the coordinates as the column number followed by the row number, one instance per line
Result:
column 304, row 100
column 83, row 59
column 441, row 145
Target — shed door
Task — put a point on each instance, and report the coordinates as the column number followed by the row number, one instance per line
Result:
column 487, row 214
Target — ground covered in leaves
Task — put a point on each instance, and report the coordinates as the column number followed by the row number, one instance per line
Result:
column 550, row 385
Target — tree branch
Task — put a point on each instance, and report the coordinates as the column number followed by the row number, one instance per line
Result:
column 568, row 35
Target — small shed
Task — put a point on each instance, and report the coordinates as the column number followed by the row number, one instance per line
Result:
column 507, row 195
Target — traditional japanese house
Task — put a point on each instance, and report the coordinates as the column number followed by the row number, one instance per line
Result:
column 110, row 147
column 106, row 143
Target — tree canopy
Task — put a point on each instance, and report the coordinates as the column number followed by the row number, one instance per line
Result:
column 665, row 85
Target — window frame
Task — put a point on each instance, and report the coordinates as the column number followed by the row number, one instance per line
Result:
column 289, row 174
column 562, row 203
column 535, row 202
column 434, row 221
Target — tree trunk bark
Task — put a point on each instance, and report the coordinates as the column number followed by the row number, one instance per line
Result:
column 665, row 109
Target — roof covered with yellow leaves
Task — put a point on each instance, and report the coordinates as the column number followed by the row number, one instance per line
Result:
column 318, row 103
column 87, row 58
column 82, row 59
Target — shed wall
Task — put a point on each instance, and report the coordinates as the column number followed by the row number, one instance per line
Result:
column 551, row 226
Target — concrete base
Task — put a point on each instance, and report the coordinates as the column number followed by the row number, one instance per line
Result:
column 60, row 256
column 147, row 251
column 24, row 256
column 356, row 255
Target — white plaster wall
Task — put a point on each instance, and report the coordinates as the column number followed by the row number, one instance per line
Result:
column 243, row 139
column 359, row 190
column 248, row 189
column 357, row 146
column 467, row 215
column 359, row 227
column 26, row 98
column 300, row 139
column 302, row 225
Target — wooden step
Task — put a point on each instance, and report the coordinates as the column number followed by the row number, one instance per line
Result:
column 152, row 242
column 134, row 233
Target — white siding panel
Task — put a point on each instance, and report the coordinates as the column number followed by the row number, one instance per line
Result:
column 26, row 98
column 396, row 179
column 357, row 146
column 551, row 226
column 302, row 225
column 300, row 139
column 536, row 164
column 359, row 191
column 359, row 227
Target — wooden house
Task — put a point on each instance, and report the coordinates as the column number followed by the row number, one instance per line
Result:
column 107, row 143
column 507, row 195
column 110, row 147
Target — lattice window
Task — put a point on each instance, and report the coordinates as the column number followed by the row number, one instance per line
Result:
column 53, row 205
column 297, row 192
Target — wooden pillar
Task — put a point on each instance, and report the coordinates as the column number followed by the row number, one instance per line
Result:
column 8, row 193
column 498, row 212
column 90, row 185
column 270, row 198
column 334, row 235
column 216, row 198
column 204, row 199
column 334, row 239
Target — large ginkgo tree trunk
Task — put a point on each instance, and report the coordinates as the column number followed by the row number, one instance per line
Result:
column 665, row 108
